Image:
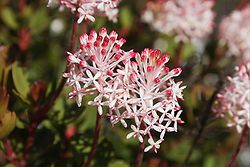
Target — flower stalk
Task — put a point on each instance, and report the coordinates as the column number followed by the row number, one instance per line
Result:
column 42, row 110
column 242, row 142
column 95, row 140
column 204, row 119
column 140, row 154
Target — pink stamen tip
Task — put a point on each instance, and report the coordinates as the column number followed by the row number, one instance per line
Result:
column 89, row 45
column 69, row 58
column 103, row 51
column 177, row 70
column 180, row 122
column 92, row 58
column 99, row 38
column 90, row 37
column 112, row 39
column 83, row 63
column 122, row 40
column 109, row 73
column 132, row 76
column 104, row 44
column 143, row 57
column 169, row 92
column 166, row 69
column 159, row 62
column 96, row 43
column 103, row 31
column 157, row 80
column 132, row 54
column 150, row 68
column 117, row 46
column 106, row 39
column 117, row 56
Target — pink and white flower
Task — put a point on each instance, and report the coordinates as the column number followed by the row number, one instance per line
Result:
column 233, row 102
column 138, row 88
column 187, row 19
column 151, row 96
column 92, row 66
column 88, row 8
column 234, row 31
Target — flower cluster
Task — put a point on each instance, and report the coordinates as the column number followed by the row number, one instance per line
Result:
column 187, row 19
column 138, row 88
column 87, row 8
column 234, row 101
column 234, row 30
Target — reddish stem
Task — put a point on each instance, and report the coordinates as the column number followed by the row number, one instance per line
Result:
column 9, row 150
column 10, row 154
column 140, row 154
column 242, row 141
column 21, row 5
column 95, row 142
column 42, row 110
column 242, row 4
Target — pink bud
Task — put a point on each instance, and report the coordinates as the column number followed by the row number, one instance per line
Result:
column 177, row 71
column 150, row 68
column 96, row 43
column 109, row 72
column 157, row 80
column 103, row 51
column 92, row 58
column 168, row 92
column 166, row 69
column 180, row 122
column 103, row 31
column 69, row 58
column 117, row 56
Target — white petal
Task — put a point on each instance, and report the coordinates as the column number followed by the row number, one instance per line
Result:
column 148, row 148
column 130, row 135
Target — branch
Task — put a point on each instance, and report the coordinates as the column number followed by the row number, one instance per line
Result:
column 241, row 143
column 204, row 120
column 140, row 154
column 95, row 142
column 11, row 155
column 42, row 110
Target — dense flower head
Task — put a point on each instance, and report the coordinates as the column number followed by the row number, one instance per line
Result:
column 187, row 19
column 87, row 8
column 233, row 102
column 235, row 30
column 150, row 98
column 92, row 66
column 138, row 88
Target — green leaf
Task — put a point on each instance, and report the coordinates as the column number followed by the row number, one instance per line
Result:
column 3, row 57
column 7, row 124
column 4, row 101
column 118, row 163
column 210, row 161
column 188, row 50
column 9, row 18
column 20, row 80
column 39, row 21
column 126, row 17
column 180, row 151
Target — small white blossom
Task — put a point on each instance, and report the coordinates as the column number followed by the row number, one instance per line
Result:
column 234, row 31
column 88, row 8
column 138, row 89
column 233, row 102
column 188, row 19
